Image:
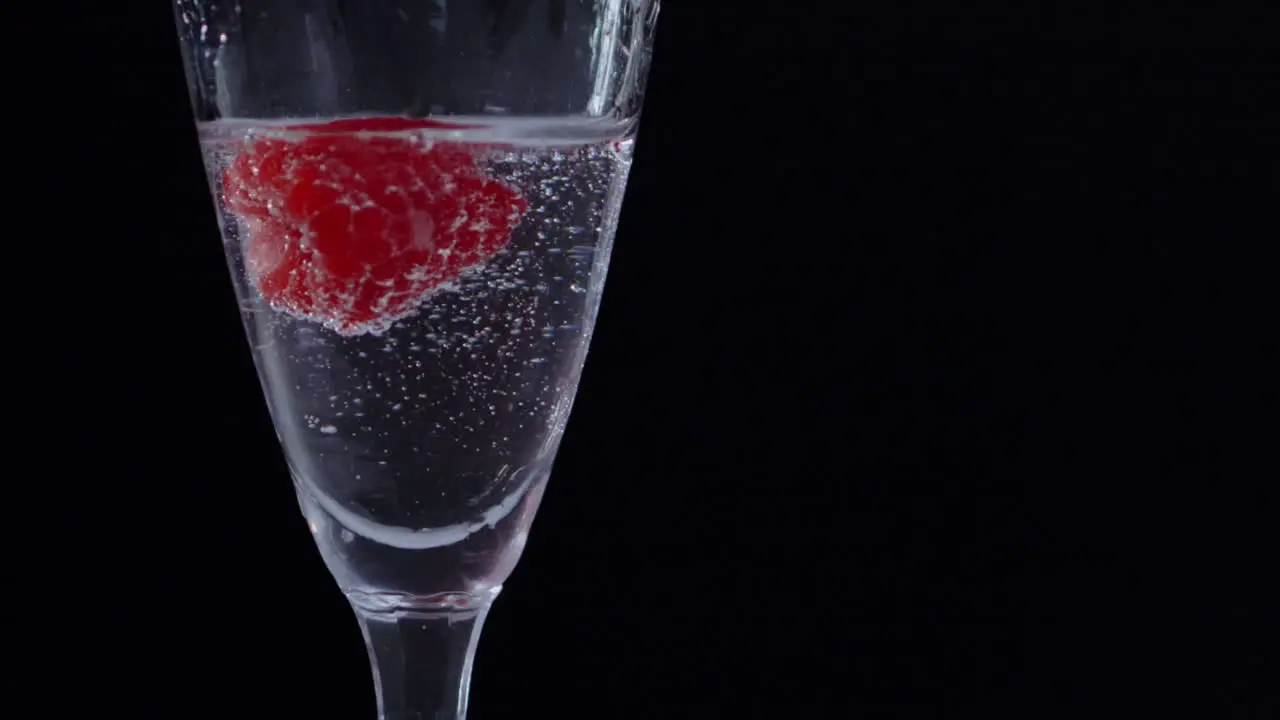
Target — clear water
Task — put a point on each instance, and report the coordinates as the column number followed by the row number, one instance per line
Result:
column 419, row 453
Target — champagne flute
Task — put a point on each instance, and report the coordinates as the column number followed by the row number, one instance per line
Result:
column 417, row 201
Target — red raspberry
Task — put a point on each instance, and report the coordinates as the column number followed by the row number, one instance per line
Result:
column 353, row 229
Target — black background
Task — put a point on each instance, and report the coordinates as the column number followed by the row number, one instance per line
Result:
column 932, row 379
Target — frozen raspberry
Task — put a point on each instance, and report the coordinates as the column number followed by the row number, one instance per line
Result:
column 354, row 229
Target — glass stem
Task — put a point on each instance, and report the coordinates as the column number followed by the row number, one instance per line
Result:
column 422, row 660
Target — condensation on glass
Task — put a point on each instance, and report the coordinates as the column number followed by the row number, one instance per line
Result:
column 324, row 58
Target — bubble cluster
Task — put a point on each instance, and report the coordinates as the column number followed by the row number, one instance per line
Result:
column 415, row 425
